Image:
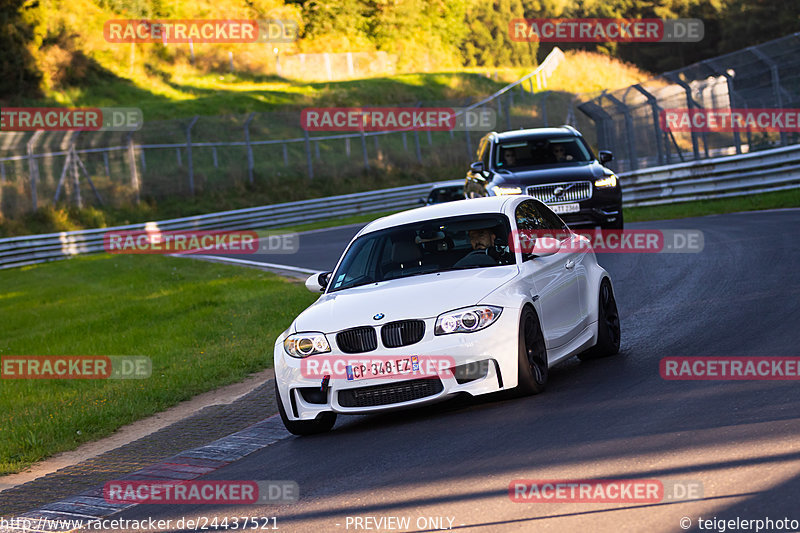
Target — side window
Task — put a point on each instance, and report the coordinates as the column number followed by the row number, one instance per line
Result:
column 551, row 220
column 528, row 217
column 532, row 221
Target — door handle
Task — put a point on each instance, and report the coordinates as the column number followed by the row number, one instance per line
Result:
column 570, row 265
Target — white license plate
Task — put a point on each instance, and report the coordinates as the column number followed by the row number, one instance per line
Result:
column 380, row 368
column 562, row 209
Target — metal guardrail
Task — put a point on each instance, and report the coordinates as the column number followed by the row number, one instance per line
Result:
column 757, row 172
column 723, row 177
column 32, row 249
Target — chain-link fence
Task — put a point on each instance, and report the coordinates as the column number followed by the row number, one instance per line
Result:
column 204, row 154
column 629, row 121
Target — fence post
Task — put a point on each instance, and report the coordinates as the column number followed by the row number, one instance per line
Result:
column 144, row 160
column 189, row 153
column 347, row 146
column 776, row 84
column 34, row 169
column 416, row 146
column 543, row 103
column 364, row 149
column 405, row 142
column 105, row 164
column 75, row 176
column 308, row 156
column 250, row 162
column 214, row 156
column 132, row 163
column 285, row 155
column 2, row 172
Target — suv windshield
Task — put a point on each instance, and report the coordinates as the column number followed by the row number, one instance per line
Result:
column 472, row 241
column 539, row 152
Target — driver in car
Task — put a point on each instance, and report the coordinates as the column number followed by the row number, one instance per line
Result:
column 482, row 241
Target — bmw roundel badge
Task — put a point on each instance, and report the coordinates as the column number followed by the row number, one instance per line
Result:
column 378, row 316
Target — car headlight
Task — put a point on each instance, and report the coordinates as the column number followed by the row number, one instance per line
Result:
column 466, row 320
column 608, row 181
column 302, row 345
column 500, row 191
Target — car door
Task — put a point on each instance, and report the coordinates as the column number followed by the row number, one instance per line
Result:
column 551, row 278
column 578, row 255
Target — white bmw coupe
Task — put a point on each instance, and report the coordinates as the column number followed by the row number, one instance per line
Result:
column 441, row 300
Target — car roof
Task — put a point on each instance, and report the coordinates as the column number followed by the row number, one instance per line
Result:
column 535, row 133
column 475, row 206
column 448, row 183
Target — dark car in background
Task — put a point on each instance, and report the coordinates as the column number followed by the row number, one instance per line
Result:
column 555, row 166
column 444, row 191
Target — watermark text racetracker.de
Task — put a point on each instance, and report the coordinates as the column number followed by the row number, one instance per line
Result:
column 607, row 241
column 723, row 120
column 196, row 31
column 738, row 368
column 206, row 492
column 154, row 241
column 75, row 367
column 353, row 368
column 71, row 119
column 359, row 119
column 603, row 490
column 606, row 30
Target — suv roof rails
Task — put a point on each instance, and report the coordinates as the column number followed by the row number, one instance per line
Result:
column 570, row 128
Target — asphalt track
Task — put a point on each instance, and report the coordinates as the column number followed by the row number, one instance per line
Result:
column 614, row 418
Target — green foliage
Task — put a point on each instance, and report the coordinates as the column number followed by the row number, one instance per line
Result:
column 488, row 42
column 18, row 72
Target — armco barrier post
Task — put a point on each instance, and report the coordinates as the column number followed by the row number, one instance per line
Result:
column 250, row 163
column 189, row 153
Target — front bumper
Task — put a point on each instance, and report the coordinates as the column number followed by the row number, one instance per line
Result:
column 491, row 351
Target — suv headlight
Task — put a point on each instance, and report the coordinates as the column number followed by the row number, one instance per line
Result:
column 302, row 345
column 608, row 181
column 466, row 320
column 500, row 191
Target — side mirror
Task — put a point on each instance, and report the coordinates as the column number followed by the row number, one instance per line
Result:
column 605, row 156
column 477, row 167
column 423, row 200
column 545, row 246
column 318, row 282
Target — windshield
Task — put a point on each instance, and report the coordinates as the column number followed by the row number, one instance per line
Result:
column 473, row 241
column 538, row 152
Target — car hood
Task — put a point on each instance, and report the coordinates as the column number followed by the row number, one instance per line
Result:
column 424, row 296
column 537, row 176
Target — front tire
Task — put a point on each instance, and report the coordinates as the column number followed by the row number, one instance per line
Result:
column 323, row 423
column 532, row 357
column 608, row 330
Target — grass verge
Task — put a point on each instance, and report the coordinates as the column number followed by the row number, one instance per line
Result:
column 203, row 325
column 755, row 202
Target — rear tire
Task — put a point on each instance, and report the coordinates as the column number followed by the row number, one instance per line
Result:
column 532, row 357
column 608, row 331
column 323, row 423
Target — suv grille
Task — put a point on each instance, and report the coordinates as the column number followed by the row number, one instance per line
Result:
column 404, row 391
column 402, row 333
column 357, row 340
column 574, row 191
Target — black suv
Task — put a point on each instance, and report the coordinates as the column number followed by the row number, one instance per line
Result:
column 554, row 165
